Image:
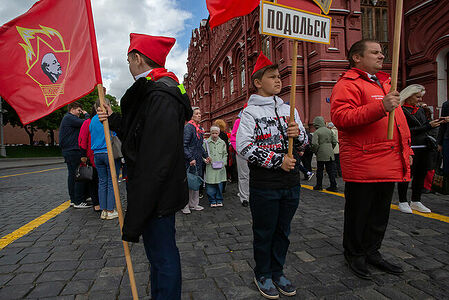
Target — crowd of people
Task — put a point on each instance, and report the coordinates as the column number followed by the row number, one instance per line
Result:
column 83, row 143
column 163, row 140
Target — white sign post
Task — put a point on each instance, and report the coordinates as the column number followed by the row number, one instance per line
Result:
column 294, row 23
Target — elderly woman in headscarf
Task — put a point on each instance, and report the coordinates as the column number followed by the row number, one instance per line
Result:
column 420, row 128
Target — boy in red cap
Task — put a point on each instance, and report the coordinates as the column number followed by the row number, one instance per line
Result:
column 274, row 179
column 154, row 110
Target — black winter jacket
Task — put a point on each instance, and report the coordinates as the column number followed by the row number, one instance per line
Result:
column 69, row 130
column 418, row 124
column 151, row 129
column 443, row 133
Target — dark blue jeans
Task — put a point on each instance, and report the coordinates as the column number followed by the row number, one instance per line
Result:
column 77, row 190
column 105, row 187
column 215, row 192
column 163, row 255
column 272, row 211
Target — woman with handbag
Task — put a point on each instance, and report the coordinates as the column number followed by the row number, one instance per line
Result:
column 194, row 154
column 215, row 168
column 422, row 144
column 87, row 157
column 105, row 187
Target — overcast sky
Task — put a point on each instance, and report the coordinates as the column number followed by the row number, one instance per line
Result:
column 115, row 19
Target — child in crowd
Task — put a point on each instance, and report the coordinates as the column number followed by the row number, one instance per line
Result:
column 274, row 179
column 215, row 168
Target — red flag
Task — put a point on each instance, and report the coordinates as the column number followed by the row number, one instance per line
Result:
column 49, row 57
column 306, row 5
column 222, row 11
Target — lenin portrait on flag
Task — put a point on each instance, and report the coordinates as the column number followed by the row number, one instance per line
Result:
column 51, row 67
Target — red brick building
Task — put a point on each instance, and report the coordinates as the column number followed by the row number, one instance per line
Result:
column 17, row 135
column 220, row 61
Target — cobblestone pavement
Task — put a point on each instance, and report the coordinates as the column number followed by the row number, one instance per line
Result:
column 76, row 255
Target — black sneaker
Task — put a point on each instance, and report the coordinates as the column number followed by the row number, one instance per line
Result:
column 82, row 205
column 245, row 203
column 266, row 288
column 317, row 188
column 284, row 286
column 332, row 189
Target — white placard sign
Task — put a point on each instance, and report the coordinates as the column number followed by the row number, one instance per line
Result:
column 292, row 23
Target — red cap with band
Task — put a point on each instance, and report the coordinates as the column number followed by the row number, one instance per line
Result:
column 155, row 48
column 262, row 62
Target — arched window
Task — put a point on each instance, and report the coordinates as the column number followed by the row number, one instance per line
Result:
column 220, row 86
column 231, row 83
column 375, row 22
column 266, row 46
column 242, row 72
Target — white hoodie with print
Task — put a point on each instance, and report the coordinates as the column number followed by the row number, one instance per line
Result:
column 262, row 134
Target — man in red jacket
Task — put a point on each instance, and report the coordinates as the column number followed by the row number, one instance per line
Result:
column 370, row 163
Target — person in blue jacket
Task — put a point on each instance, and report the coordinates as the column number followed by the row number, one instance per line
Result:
column 105, row 187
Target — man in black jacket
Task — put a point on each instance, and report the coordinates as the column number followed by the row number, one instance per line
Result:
column 154, row 110
column 69, row 130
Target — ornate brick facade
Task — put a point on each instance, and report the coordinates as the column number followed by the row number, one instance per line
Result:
column 426, row 51
column 220, row 61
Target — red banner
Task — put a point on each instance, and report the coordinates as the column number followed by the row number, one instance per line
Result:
column 306, row 5
column 49, row 57
column 222, row 11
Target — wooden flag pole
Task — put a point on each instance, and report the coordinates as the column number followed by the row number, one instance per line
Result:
column 395, row 61
column 129, row 264
column 293, row 94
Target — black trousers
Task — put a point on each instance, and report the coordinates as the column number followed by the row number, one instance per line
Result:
column 419, row 169
column 93, row 188
column 367, row 210
column 77, row 189
column 337, row 165
column 307, row 160
column 272, row 211
column 330, row 169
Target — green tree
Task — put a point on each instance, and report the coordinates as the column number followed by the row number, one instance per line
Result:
column 51, row 122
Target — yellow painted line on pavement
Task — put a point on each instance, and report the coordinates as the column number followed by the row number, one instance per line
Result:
column 435, row 216
column 8, row 239
column 20, row 174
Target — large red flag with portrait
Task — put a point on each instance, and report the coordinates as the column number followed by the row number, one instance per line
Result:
column 48, row 57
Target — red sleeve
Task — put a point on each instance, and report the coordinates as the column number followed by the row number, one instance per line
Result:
column 83, row 138
column 347, row 110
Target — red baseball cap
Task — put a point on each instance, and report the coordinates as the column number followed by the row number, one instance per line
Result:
column 262, row 62
column 155, row 48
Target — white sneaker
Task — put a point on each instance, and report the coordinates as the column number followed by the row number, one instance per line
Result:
column 103, row 215
column 82, row 205
column 310, row 175
column 186, row 211
column 198, row 207
column 419, row 207
column 405, row 208
column 112, row 215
